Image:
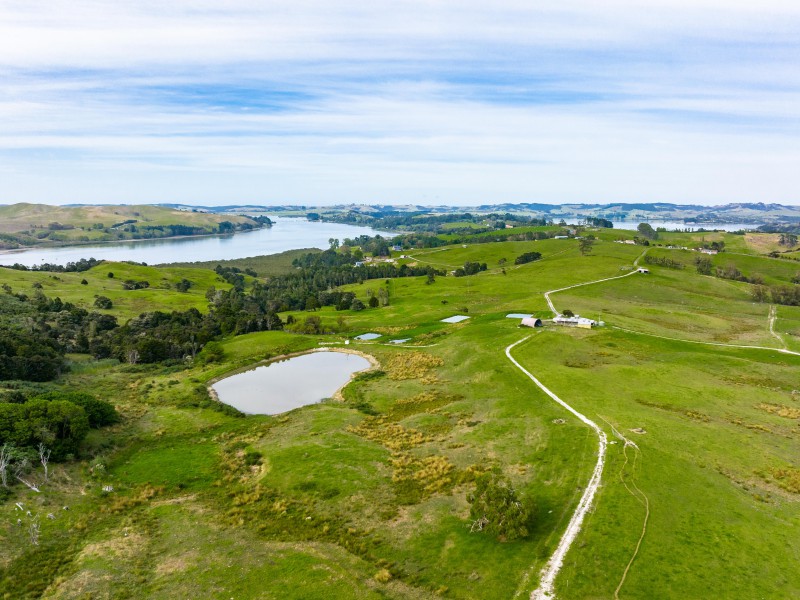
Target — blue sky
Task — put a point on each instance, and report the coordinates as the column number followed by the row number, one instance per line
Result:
column 319, row 102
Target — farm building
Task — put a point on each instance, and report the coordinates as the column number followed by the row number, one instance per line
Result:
column 576, row 321
column 642, row 270
column 531, row 322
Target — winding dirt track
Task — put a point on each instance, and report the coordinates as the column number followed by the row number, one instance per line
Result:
column 545, row 590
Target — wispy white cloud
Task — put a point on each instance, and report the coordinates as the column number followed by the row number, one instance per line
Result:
column 401, row 101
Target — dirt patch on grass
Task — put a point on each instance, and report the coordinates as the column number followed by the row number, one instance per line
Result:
column 83, row 584
column 173, row 501
column 176, row 564
column 125, row 544
column 692, row 414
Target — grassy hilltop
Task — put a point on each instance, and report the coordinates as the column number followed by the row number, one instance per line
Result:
column 36, row 224
column 368, row 496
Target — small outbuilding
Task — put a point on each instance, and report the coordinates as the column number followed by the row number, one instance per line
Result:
column 531, row 322
column 576, row 321
column 643, row 270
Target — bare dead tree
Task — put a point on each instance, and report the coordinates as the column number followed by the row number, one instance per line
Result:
column 34, row 529
column 479, row 524
column 5, row 461
column 44, row 458
column 133, row 356
column 194, row 347
column 20, row 469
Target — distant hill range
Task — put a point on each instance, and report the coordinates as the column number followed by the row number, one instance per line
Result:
column 757, row 213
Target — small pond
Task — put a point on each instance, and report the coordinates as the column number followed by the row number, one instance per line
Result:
column 288, row 384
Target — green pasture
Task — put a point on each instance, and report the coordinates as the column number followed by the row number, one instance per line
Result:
column 318, row 503
column 718, row 526
column 161, row 295
column 272, row 264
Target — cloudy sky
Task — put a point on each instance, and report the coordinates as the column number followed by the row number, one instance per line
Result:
column 402, row 101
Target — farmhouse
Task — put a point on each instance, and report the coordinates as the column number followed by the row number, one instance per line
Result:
column 531, row 322
column 576, row 321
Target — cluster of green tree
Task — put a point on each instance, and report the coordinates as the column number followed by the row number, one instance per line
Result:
column 663, row 261
column 83, row 264
column 423, row 221
column 646, row 230
column 470, row 268
column 29, row 355
column 718, row 246
column 729, row 271
column 56, row 226
column 160, row 231
column 234, row 275
column 585, row 244
column 263, row 220
column 599, row 222
column 131, row 284
column 527, row 257
column 788, row 295
column 55, row 423
column 357, row 247
column 507, row 236
column 117, row 225
column 158, row 336
column 313, row 325
column 37, row 332
column 103, row 302
column 317, row 273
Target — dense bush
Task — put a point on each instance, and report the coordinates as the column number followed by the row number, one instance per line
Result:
column 58, row 424
column 99, row 412
column 103, row 302
column 496, row 508
column 527, row 257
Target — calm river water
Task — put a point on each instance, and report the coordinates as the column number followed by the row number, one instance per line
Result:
column 282, row 386
column 286, row 234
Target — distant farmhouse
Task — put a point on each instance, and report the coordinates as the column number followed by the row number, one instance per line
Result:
column 576, row 321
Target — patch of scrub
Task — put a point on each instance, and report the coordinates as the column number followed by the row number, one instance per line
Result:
column 518, row 316
column 368, row 336
column 284, row 385
column 455, row 319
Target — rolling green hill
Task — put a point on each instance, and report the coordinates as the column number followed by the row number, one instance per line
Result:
column 36, row 224
column 368, row 496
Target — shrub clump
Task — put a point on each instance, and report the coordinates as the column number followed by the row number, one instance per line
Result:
column 497, row 509
column 412, row 365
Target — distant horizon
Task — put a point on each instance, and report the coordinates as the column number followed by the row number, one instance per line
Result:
column 319, row 103
column 402, row 204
